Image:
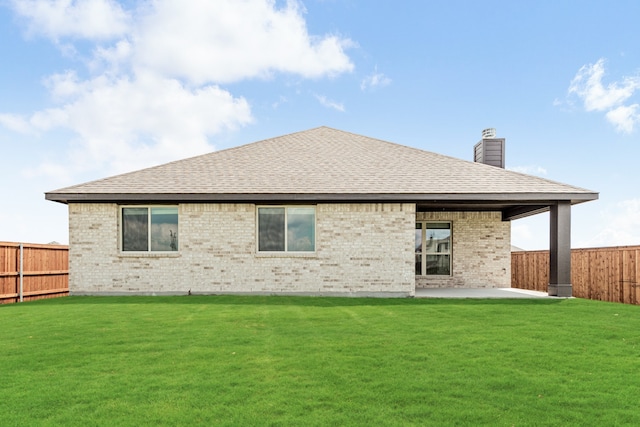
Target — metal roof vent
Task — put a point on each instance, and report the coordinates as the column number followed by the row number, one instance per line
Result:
column 488, row 133
column 490, row 150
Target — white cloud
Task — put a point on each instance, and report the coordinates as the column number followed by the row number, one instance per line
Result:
column 89, row 19
column 15, row 123
column 624, row 118
column 330, row 104
column 229, row 40
column 620, row 226
column 529, row 169
column 55, row 172
column 153, row 88
column 374, row 80
column 127, row 123
column 587, row 85
column 531, row 233
column 520, row 232
column 281, row 100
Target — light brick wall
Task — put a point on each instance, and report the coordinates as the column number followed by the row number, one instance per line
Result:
column 481, row 251
column 361, row 249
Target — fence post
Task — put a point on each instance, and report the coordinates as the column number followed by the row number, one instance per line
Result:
column 21, row 272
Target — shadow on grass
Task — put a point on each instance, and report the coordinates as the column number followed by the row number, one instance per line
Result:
column 277, row 300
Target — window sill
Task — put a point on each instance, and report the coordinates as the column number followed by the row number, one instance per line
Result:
column 286, row 255
column 133, row 254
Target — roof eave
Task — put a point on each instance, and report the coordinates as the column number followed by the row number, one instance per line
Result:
column 574, row 197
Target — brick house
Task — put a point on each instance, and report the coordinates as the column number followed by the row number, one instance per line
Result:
column 319, row 212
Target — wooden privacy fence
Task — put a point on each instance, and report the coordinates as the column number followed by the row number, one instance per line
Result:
column 604, row 274
column 29, row 271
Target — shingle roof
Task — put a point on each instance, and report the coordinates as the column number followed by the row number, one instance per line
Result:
column 322, row 164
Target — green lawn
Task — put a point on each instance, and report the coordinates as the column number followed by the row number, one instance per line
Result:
column 226, row 360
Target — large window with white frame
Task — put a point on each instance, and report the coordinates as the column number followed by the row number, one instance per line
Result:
column 286, row 228
column 433, row 248
column 149, row 228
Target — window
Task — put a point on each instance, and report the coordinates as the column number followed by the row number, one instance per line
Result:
column 150, row 229
column 433, row 248
column 286, row 229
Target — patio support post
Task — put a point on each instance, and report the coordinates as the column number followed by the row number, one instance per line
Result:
column 560, row 250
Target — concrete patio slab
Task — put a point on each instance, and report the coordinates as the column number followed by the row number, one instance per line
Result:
column 480, row 293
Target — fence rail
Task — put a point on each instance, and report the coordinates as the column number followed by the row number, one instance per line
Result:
column 30, row 271
column 604, row 274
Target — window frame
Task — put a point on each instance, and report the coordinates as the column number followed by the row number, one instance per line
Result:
column 424, row 253
column 286, row 251
column 149, row 251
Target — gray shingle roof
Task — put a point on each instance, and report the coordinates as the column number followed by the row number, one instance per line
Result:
column 322, row 164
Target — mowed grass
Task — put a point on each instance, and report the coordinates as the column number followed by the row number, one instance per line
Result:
column 225, row 360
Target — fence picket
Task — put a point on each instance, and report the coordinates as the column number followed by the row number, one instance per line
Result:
column 606, row 274
column 32, row 271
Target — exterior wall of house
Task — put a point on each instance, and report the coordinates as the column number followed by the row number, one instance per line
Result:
column 481, row 251
column 361, row 249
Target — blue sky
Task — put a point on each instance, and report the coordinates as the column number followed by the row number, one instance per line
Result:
column 94, row 88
